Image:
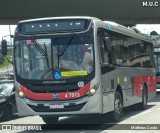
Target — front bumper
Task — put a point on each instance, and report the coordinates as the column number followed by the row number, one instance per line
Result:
column 85, row 105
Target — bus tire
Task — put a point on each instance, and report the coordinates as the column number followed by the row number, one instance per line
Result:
column 50, row 119
column 143, row 104
column 118, row 107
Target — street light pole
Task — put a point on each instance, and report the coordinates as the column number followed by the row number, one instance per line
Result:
column 11, row 36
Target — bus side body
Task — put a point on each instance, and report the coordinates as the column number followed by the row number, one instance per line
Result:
column 130, row 68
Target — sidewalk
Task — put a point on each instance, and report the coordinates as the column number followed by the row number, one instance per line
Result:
column 6, row 68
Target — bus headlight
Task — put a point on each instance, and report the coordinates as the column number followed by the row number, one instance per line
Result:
column 21, row 94
column 93, row 89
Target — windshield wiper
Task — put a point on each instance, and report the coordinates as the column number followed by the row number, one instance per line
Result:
column 38, row 47
column 46, row 55
column 64, row 47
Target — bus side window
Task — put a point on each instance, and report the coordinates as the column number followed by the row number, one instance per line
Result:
column 102, row 48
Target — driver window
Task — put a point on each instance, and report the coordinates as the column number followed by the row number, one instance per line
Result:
column 103, row 52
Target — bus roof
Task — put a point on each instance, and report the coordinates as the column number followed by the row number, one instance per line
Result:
column 52, row 18
column 112, row 26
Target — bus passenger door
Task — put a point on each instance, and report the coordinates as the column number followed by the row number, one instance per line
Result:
column 107, row 76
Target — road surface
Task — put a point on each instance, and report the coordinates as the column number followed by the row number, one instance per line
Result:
column 101, row 124
column 6, row 69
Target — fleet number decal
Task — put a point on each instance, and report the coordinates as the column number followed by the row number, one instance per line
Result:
column 72, row 95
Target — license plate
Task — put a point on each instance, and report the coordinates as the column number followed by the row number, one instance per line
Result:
column 56, row 106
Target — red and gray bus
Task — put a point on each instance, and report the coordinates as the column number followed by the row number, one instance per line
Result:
column 79, row 66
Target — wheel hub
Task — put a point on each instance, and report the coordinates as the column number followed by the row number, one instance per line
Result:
column 118, row 106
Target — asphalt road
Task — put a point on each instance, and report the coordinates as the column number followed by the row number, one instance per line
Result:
column 101, row 124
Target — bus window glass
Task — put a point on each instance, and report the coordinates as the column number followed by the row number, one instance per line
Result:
column 130, row 52
column 104, row 46
column 71, row 55
column 30, row 61
column 103, row 52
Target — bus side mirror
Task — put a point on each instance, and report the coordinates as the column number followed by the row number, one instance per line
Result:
column 4, row 47
column 107, row 43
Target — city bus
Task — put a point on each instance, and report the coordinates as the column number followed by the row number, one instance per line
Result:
column 157, row 65
column 67, row 66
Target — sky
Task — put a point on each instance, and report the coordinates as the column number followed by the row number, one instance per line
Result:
column 147, row 28
column 144, row 28
column 4, row 30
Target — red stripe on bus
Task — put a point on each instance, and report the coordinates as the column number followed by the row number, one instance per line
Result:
column 61, row 95
column 140, row 80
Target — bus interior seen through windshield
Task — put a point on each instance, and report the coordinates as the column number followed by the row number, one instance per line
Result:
column 43, row 58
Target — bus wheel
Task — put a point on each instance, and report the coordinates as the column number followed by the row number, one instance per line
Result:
column 143, row 104
column 118, row 107
column 50, row 120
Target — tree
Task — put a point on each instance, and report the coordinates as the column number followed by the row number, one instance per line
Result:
column 153, row 33
column 133, row 27
column 130, row 25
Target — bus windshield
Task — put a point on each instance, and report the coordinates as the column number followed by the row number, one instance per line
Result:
column 54, row 58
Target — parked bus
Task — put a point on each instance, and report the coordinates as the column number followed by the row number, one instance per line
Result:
column 79, row 66
column 157, row 64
